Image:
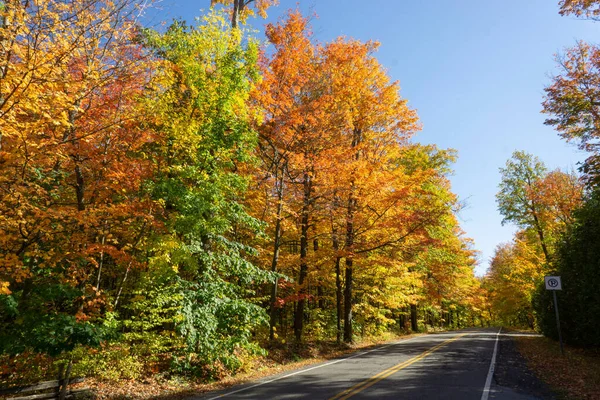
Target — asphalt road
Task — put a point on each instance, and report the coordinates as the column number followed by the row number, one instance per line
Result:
column 454, row 365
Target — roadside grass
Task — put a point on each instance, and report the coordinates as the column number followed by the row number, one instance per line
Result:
column 576, row 375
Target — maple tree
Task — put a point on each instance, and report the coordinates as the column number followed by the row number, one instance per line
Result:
column 160, row 191
column 293, row 137
column 362, row 193
column 376, row 121
column 337, row 165
column 515, row 271
column 559, row 194
column 71, row 212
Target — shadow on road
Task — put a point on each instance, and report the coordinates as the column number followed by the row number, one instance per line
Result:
column 457, row 370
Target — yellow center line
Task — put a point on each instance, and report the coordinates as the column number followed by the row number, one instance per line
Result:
column 390, row 371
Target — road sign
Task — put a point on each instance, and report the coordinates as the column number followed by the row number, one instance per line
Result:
column 553, row 283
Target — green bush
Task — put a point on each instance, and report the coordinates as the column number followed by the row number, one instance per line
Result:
column 110, row 363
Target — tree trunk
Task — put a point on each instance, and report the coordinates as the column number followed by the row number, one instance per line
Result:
column 321, row 295
column 79, row 188
column 338, row 272
column 304, row 222
column 413, row 318
column 352, row 205
column 276, row 247
column 4, row 58
column 238, row 7
column 349, row 271
column 348, row 302
column 320, row 291
column 540, row 233
column 338, row 298
column 402, row 319
column 70, row 134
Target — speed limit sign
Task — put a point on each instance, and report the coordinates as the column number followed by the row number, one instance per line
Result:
column 553, row 283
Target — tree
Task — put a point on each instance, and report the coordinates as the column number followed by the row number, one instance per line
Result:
column 298, row 142
column 559, row 194
column 515, row 200
column 201, row 110
column 71, row 209
column 573, row 101
column 541, row 203
column 515, row 272
column 376, row 122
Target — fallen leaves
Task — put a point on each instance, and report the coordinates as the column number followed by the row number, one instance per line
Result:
column 576, row 375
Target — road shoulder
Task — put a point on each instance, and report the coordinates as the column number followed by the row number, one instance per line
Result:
column 513, row 379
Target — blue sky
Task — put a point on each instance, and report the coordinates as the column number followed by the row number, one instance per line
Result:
column 474, row 70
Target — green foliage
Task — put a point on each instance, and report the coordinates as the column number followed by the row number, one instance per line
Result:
column 518, row 177
column 578, row 261
column 205, row 82
column 42, row 319
column 148, row 321
column 216, row 322
column 111, row 363
column 321, row 324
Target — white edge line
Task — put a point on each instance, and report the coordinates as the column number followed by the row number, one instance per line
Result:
column 488, row 381
column 315, row 367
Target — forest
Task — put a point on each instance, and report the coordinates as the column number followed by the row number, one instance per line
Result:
column 181, row 200
column 556, row 211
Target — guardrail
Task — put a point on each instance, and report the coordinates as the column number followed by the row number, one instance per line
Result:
column 58, row 389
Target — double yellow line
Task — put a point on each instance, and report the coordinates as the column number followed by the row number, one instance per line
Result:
column 346, row 394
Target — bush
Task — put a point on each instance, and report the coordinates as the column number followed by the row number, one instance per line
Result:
column 111, row 363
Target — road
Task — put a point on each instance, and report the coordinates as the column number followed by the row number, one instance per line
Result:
column 454, row 365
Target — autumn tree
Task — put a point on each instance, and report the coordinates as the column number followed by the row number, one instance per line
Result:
column 336, row 160
column 572, row 102
column 542, row 204
column 297, row 138
column 515, row 200
column 558, row 194
column 572, row 99
column 393, row 193
column 72, row 212
column 515, row 272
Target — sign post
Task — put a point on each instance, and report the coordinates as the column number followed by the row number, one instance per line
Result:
column 553, row 283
